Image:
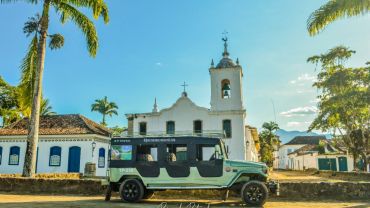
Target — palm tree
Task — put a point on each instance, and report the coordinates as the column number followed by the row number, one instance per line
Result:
column 333, row 10
column 104, row 107
column 46, row 109
column 67, row 10
column 270, row 128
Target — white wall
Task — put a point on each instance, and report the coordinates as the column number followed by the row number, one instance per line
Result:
column 283, row 155
column 45, row 143
column 302, row 162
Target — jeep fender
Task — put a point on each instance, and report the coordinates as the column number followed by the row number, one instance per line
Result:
column 244, row 176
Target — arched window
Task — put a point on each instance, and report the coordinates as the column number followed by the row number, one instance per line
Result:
column 225, row 89
column 14, row 155
column 170, row 127
column 197, row 127
column 1, row 154
column 55, row 156
column 142, row 128
column 226, row 127
column 101, row 159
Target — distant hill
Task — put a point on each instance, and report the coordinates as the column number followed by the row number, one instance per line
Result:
column 286, row 136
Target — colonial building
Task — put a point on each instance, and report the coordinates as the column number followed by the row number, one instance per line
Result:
column 66, row 144
column 226, row 115
column 282, row 160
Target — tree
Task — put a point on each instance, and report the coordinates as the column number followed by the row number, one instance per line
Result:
column 344, row 106
column 46, row 109
column 333, row 10
column 67, row 10
column 104, row 107
column 8, row 103
column 117, row 131
column 268, row 140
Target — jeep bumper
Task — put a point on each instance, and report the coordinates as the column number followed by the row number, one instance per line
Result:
column 274, row 187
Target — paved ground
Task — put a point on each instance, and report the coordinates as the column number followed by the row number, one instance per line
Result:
column 37, row 201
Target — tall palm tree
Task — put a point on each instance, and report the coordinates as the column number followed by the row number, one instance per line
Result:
column 67, row 10
column 104, row 107
column 270, row 128
column 333, row 10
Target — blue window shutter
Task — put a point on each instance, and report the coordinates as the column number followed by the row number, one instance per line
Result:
column 101, row 159
column 55, row 156
column 1, row 154
column 14, row 155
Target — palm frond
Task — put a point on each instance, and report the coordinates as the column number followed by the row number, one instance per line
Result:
column 28, row 70
column 56, row 41
column 99, row 7
column 82, row 21
column 32, row 25
column 46, row 109
column 333, row 10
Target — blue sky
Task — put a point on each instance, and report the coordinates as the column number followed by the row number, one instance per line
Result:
column 150, row 47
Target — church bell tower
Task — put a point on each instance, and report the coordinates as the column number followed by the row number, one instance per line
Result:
column 226, row 83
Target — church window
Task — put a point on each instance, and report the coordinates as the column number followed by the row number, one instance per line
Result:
column 1, row 154
column 101, row 159
column 142, row 128
column 170, row 127
column 226, row 90
column 14, row 155
column 197, row 127
column 226, row 127
column 55, row 156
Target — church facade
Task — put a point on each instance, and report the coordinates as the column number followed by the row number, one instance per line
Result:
column 226, row 115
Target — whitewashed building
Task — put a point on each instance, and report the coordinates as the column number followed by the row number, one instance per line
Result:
column 282, row 160
column 226, row 114
column 66, row 144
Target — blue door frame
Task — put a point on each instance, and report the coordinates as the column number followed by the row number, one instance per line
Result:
column 74, row 158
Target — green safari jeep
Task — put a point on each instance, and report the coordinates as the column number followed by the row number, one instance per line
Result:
column 139, row 166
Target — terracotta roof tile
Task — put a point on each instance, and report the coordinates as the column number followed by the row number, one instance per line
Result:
column 58, row 125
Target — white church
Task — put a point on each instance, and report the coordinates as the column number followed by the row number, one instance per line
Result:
column 226, row 116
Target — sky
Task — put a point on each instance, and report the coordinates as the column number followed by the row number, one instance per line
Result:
column 149, row 48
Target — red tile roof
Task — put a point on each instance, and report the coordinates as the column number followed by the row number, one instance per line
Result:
column 58, row 125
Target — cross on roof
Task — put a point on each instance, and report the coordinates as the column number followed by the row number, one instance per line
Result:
column 184, row 85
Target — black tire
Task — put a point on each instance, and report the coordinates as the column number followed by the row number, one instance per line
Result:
column 131, row 190
column 254, row 193
column 148, row 194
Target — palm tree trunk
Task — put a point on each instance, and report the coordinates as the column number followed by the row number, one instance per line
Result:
column 33, row 131
column 103, row 119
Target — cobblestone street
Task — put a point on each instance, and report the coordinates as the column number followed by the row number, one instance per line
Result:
column 40, row 201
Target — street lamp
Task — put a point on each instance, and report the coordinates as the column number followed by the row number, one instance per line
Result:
column 93, row 146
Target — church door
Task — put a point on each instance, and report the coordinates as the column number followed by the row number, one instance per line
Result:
column 74, row 159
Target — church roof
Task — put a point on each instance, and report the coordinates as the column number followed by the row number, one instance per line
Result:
column 225, row 62
column 68, row 124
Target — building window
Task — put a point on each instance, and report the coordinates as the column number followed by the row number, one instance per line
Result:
column 142, row 128
column 226, row 90
column 226, row 127
column 14, row 155
column 170, row 127
column 101, row 159
column 55, row 156
column 1, row 154
column 197, row 127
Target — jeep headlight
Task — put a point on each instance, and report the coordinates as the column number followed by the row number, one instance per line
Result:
column 265, row 170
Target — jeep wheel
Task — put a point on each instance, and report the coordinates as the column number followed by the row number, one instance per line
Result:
column 148, row 194
column 254, row 193
column 131, row 190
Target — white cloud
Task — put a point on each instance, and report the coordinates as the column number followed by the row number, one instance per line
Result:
column 303, row 79
column 300, row 111
column 297, row 124
column 158, row 64
column 316, row 100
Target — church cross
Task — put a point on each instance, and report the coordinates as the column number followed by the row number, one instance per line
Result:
column 184, row 85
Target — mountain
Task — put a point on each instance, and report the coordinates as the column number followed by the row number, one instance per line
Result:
column 286, row 136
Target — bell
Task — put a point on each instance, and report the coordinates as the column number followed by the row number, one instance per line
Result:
column 226, row 87
column 226, row 93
